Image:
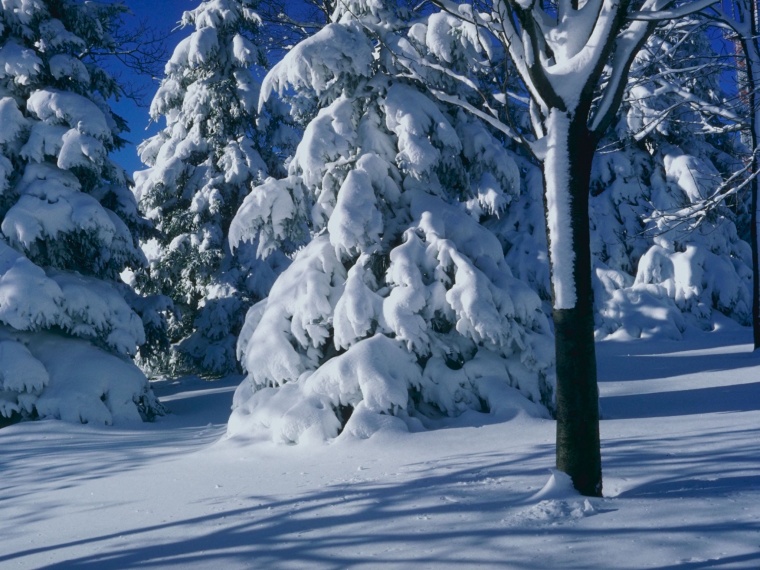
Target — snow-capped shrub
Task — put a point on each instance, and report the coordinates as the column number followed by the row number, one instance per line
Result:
column 676, row 265
column 401, row 307
column 655, row 271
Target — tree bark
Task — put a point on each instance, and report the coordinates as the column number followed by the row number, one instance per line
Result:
column 577, row 398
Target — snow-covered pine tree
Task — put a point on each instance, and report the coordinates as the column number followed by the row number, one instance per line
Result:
column 201, row 166
column 69, row 222
column 401, row 307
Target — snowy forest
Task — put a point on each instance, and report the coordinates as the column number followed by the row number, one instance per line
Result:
column 369, row 218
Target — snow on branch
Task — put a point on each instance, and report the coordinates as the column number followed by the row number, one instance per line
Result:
column 673, row 14
column 490, row 119
column 696, row 213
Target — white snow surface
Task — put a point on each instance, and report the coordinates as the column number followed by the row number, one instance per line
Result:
column 682, row 482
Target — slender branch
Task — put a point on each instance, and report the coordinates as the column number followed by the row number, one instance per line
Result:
column 697, row 212
column 674, row 14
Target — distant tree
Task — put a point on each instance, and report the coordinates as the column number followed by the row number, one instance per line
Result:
column 679, row 114
column 200, row 167
column 69, row 223
column 398, row 307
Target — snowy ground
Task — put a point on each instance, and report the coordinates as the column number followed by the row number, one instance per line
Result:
column 682, row 483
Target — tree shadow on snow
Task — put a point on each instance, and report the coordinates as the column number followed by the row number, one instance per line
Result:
column 673, row 362
column 107, row 450
column 453, row 512
column 647, row 360
column 750, row 560
column 355, row 523
column 698, row 466
column 716, row 399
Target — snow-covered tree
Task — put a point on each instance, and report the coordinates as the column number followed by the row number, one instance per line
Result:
column 673, row 153
column 664, row 243
column 68, row 220
column 573, row 58
column 399, row 308
column 201, row 166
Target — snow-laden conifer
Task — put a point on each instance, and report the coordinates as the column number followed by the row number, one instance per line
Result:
column 200, row 166
column 401, row 307
column 68, row 220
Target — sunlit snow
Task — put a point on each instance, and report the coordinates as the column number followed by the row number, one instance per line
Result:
column 680, row 446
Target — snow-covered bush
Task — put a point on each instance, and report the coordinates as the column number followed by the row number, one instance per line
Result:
column 69, row 223
column 200, row 166
column 654, row 274
column 401, row 307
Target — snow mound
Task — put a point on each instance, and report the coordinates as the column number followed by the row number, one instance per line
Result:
column 556, row 503
column 46, row 375
column 559, row 486
column 553, row 512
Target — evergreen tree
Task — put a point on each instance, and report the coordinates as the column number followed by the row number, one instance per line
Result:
column 399, row 306
column 69, row 222
column 201, row 166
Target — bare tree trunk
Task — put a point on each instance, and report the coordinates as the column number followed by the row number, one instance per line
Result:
column 578, row 443
column 752, row 58
column 754, row 221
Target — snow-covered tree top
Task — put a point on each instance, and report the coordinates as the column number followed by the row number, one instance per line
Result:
column 221, row 14
column 220, row 45
column 321, row 63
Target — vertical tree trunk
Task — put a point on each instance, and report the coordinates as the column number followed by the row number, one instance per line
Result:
column 754, row 221
column 578, row 444
column 752, row 58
